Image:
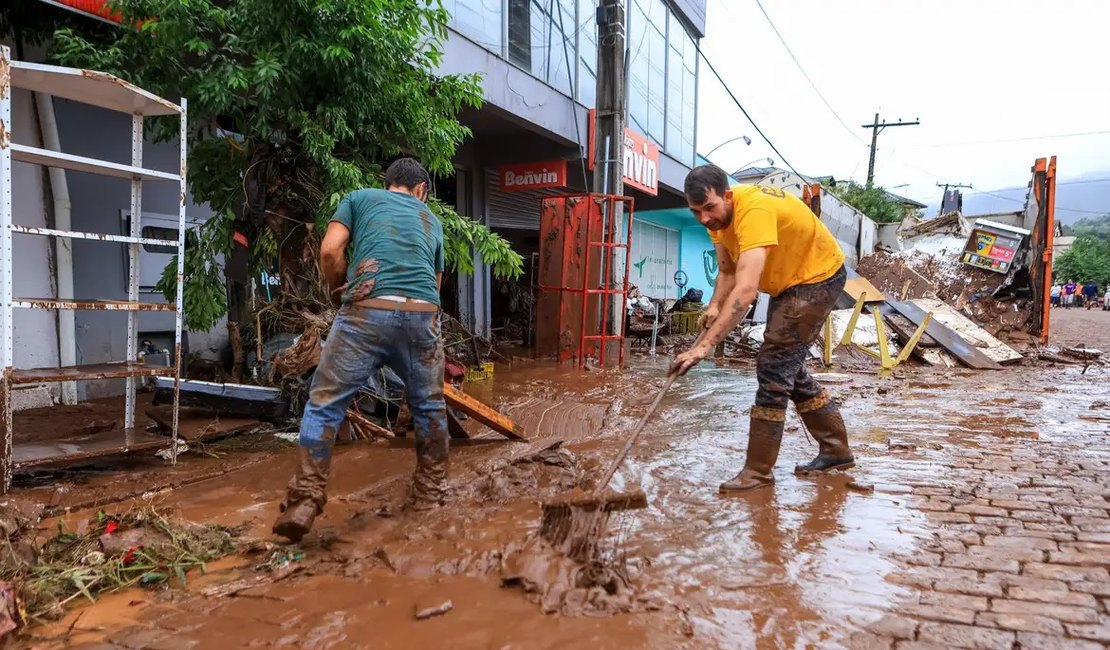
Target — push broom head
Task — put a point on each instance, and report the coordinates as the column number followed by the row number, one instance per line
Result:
column 574, row 523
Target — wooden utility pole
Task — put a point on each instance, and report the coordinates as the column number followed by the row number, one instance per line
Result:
column 611, row 102
column 876, row 128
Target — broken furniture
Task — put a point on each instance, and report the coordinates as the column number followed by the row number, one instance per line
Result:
column 105, row 91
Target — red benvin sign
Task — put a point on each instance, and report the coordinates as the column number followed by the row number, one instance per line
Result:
column 533, row 176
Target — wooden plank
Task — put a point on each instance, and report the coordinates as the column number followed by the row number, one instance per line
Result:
column 455, row 428
column 949, row 340
column 914, row 338
column 497, row 421
column 901, row 326
column 980, row 338
column 856, row 287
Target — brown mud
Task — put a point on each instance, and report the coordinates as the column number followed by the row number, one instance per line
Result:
column 811, row 562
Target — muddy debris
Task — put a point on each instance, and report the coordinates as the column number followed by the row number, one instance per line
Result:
column 423, row 613
column 549, row 471
column 9, row 612
column 558, row 584
column 144, row 547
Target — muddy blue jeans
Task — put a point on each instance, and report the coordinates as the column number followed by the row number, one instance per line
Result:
column 360, row 343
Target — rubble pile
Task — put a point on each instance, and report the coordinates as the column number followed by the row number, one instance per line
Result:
column 929, row 266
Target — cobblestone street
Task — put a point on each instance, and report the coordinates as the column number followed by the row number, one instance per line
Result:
column 1021, row 546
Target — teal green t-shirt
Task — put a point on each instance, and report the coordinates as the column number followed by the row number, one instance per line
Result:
column 397, row 246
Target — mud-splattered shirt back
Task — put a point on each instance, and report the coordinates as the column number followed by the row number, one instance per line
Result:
column 396, row 245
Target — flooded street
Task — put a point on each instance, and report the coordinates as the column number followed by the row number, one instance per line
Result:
column 977, row 516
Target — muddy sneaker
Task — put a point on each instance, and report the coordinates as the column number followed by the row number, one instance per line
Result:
column 295, row 521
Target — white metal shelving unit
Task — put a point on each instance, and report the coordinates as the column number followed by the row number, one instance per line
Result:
column 105, row 91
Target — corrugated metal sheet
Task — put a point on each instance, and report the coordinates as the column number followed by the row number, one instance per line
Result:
column 520, row 210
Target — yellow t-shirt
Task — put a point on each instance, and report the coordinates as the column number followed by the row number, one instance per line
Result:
column 801, row 249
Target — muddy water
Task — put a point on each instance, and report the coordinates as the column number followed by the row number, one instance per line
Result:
column 799, row 565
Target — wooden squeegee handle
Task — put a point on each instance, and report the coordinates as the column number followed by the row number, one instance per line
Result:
column 628, row 444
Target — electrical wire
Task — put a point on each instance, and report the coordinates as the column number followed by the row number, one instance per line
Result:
column 1003, row 140
column 805, row 74
column 713, row 69
column 1022, row 201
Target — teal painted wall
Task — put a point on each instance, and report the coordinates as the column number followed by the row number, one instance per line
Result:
column 692, row 244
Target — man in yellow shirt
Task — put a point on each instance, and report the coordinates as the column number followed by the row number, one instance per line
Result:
column 770, row 241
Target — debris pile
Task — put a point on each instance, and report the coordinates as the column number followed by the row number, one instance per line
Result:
column 109, row 553
column 929, row 266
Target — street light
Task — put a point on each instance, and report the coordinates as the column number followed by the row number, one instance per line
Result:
column 746, row 139
column 770, row 163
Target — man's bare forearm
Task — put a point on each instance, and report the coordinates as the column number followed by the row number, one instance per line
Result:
column 722, row 287
column 335, row 271
column 732, row 310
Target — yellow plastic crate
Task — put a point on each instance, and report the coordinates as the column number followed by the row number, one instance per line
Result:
column 479, row 373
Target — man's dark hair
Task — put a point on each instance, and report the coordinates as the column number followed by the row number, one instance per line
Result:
column 407, row 173
column 701, row 179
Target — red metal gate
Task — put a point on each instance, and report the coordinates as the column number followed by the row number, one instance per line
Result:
column 580, row 238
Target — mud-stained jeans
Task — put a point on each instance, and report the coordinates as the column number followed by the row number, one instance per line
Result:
column 794, row 321
column 360, row 342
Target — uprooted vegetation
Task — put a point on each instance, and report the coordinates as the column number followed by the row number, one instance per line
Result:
column 109, row 553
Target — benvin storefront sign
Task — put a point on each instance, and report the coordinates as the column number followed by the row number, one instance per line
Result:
column 640, row 157
column 533, row 176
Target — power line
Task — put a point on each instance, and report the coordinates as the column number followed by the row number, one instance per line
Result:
column 806, row 75
column 713, row 69
column 1022, row 201
column 1084, row 182
column 1002, row 140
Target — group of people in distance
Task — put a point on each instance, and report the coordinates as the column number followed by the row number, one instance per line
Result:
column 1074, row 294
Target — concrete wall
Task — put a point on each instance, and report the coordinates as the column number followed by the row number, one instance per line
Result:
column 887, row 236
column 693, row 247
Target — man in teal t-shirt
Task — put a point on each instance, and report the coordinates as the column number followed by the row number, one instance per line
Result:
column 389, row 317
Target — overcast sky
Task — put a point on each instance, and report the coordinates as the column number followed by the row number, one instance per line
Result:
column 971, row 70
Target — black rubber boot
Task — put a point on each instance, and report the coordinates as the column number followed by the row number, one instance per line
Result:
column 764, row 440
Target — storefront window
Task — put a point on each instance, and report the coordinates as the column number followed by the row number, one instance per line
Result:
column 556, row 41
column 681, row 92
column 537, row 42
column 647, row 87
column 587, row 52
column 480, row 20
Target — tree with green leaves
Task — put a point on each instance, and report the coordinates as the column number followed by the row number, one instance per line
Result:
column 1087, row 259
column 291, row 105
column 872, row 200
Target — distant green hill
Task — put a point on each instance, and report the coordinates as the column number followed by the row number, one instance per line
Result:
column 1097, row 227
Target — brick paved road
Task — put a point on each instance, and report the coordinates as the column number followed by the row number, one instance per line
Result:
column 1021, row 546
